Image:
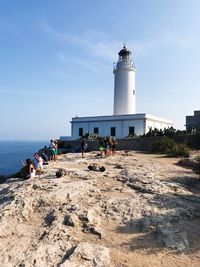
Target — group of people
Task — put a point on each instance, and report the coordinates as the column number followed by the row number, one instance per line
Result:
column 32, row 167
column 107, row 146
column 36, row 166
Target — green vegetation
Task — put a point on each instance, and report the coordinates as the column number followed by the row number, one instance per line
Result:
column 162, row 145
column 179, row 150
column 91, row 136
column 168, row 146
column 169, row 132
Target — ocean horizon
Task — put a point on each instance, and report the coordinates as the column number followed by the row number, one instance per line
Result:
column 12, row 151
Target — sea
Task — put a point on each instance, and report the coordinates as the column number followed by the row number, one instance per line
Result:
column 13, row 151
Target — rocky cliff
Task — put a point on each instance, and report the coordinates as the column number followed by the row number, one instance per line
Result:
column 143, row 210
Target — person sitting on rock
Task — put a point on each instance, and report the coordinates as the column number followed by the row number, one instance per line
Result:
column 28, row 170
column 44, row 157
column 38, row 163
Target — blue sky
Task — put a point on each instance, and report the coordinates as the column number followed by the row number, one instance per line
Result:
column 56, row 60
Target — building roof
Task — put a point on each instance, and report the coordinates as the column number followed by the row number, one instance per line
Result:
column 124, row 52
column 139, row 116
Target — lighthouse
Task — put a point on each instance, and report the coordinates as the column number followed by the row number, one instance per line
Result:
column 124, row 122
column 124, row 84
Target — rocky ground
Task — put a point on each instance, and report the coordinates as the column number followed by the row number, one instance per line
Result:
column 144, row 210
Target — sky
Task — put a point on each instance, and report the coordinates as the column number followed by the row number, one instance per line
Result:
column 56, row 61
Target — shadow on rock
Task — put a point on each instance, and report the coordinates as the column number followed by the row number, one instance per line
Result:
column 175, row 229
column 192, row 184
column 6, row 196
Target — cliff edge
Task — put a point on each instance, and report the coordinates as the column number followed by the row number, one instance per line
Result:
column 143, row 210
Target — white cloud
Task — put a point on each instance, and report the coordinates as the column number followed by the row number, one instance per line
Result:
column 90, row 65
column 97, row 43
column 105, row 47
column 62, row 36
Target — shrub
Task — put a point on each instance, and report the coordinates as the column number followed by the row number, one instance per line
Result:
column 169, row 132
column 90, row 136
column 179, row 150
column 154, row 132
column 170, row 147
column 162, row 146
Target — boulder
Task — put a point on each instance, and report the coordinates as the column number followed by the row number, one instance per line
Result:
column 60, row 172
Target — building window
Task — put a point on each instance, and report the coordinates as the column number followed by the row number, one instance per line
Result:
column 131, row 130
column 112, row 131
column 96, row 130
column 80, row 132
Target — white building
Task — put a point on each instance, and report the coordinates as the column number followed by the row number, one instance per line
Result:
column 124, row 121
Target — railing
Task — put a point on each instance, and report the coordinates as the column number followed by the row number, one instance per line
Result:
column 128, row 64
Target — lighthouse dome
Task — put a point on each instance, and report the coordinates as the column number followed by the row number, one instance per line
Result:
column 124, row 52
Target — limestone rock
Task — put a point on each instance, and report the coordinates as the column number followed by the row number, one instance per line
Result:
column 68, row 220
column 88, row 255
column 46, row 222
column 172, row 238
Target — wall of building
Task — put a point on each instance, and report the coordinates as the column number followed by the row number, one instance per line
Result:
column 193, row 121
column 122, row 127
column 141, row 123
column 156, row 124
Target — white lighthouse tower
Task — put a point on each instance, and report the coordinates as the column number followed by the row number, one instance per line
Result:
column 124, row 122
column 124, row 84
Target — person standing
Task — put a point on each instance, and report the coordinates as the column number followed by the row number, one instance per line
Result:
column 52, row 148
column 56, row 147
column 113, row 147
column 101, row 147
column 83, row 147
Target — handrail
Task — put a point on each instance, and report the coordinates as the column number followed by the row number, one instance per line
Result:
column 128, row 64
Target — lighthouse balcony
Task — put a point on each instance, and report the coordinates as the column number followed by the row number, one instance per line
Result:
column 123, row 64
